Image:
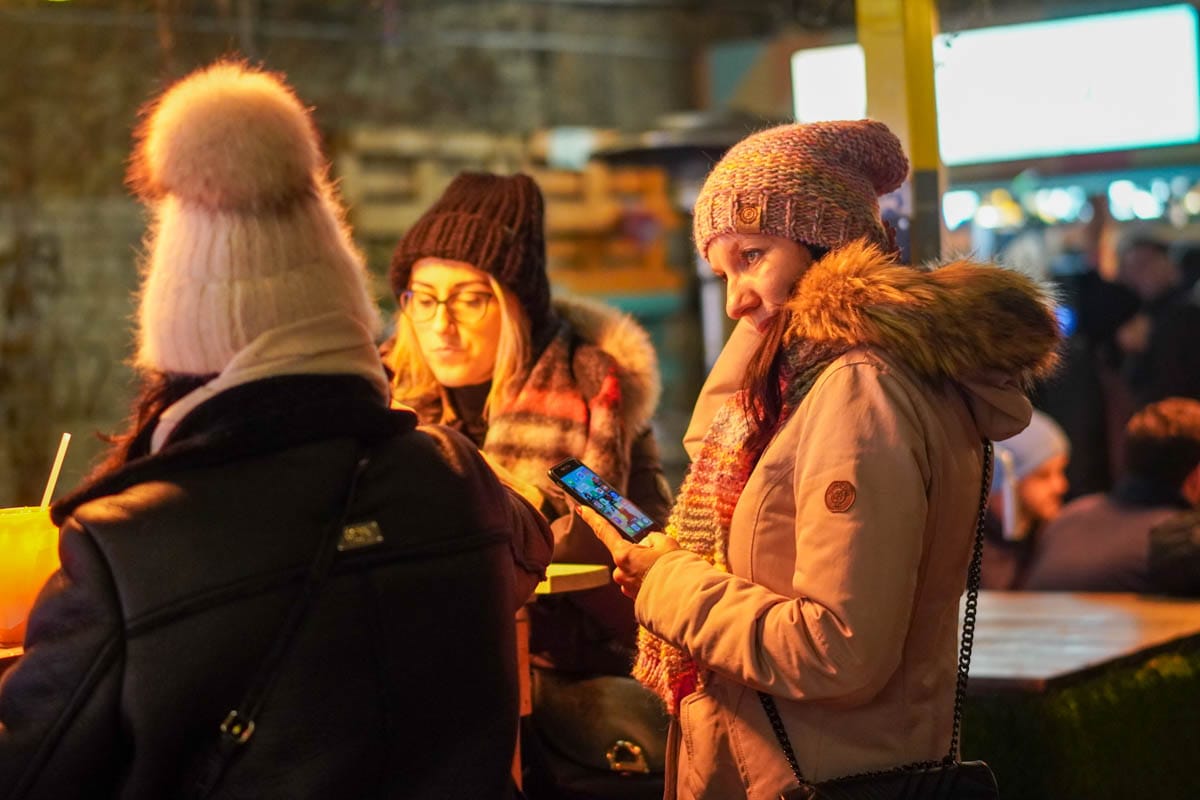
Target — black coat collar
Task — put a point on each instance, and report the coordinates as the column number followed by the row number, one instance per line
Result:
column 253, row 419
column 1139, row 492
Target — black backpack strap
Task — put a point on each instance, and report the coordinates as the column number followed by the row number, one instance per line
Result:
column 238, row 726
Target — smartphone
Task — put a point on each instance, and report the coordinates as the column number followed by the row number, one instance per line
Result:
column 579, row 481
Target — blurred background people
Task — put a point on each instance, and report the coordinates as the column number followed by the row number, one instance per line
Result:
column 194, row 561
column 1028, row 487
column 1159, row 356
column 1139, row 537
column 480, row 346
column 1087, row 395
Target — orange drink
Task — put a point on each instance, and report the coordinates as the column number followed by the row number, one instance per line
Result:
column 28, row 556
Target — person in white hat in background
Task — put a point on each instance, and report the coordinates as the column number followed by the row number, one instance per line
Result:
column 1028, row 487
column 274, row 585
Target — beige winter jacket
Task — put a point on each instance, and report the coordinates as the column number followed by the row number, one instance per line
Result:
column 849, row 545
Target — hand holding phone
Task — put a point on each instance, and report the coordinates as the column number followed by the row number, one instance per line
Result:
column 588, row 488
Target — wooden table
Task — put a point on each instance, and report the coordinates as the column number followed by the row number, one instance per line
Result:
column 1037, row 641
column 1086, row 695
column 572, row 578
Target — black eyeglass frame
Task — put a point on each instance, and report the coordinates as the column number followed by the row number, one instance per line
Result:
column 456, row 315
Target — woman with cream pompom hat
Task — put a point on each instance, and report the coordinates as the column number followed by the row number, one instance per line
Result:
column 274, row 585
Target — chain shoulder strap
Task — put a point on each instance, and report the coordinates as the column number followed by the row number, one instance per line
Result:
column 974, row 571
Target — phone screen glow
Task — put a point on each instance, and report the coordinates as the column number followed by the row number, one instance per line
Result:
column 593, row 490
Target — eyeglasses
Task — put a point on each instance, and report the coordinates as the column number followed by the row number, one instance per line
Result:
column 466, row 308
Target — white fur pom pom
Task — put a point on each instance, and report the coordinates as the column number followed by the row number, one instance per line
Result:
column 228, row 138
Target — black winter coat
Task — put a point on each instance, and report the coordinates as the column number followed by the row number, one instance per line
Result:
column 179, row 568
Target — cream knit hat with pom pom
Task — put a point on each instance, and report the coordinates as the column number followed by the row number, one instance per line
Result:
column 247, row 233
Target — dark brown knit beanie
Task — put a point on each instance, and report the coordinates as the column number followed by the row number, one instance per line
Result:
column 492, row 222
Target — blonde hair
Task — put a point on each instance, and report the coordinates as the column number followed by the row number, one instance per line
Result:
column 411, row 376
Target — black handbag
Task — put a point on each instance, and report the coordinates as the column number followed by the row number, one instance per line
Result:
column 948, row 779
column 592, row 738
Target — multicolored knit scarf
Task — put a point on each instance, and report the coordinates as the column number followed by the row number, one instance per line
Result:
column 570, row 404
column 701, row 516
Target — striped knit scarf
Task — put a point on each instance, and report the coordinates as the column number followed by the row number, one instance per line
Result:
column 700, row 518
column 569, row 404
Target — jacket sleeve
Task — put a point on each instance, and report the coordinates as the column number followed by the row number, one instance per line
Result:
column 723, row 380
column 1173, row 560
column 837, row 632
column 60, row 734
column 532, row 542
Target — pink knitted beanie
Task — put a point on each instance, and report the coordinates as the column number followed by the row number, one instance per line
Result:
column 247, row 235
column 817, row 184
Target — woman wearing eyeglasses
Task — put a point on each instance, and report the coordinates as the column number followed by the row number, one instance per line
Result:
column 480, row 346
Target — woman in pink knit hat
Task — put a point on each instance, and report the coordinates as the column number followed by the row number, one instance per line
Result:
column 812, row 567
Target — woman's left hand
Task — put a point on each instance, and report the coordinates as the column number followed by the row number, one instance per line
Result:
column 633, row 561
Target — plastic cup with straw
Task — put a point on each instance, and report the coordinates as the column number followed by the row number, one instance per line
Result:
column 28, row 556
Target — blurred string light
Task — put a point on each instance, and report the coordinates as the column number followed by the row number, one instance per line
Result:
column 1174, row 199
column 1127, row 201
column 1191, row 200
column 999, row 210
column 959, row 206
column 1059, row 204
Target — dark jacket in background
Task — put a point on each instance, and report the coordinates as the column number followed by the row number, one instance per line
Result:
column 178, row 570
column 1104, row 542
column 1086, row 395
column 1005, row 562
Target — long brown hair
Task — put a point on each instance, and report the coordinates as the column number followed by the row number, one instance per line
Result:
column 157, row 392
column 763, row 397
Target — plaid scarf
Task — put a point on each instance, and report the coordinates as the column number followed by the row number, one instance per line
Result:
column 701, row 516
column 569, row 404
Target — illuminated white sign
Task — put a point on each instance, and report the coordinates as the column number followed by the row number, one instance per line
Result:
column 1080, row 85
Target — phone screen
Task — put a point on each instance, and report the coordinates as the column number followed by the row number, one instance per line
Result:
column 590, row 489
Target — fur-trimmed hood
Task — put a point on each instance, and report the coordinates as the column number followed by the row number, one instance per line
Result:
column 623, row 338
column 990, row 330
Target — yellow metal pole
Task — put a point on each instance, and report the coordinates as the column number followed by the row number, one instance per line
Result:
column 897, row 42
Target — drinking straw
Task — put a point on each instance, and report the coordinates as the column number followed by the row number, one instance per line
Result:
column 58, row 461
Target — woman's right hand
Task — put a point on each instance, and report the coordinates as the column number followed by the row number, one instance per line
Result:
column 633, row 561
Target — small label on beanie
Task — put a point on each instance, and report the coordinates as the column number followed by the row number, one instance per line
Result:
column 839, row 496
column 748, row 219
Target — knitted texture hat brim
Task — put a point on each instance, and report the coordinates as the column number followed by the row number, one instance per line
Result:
column 247, row 235
column 495, row 223
column 218, row 280
column 817, row 184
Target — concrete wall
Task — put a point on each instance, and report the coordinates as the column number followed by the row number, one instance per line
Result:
column 72, row 77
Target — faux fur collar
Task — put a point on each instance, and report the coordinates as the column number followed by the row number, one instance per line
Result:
column 962, row 321
column 619, row 335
